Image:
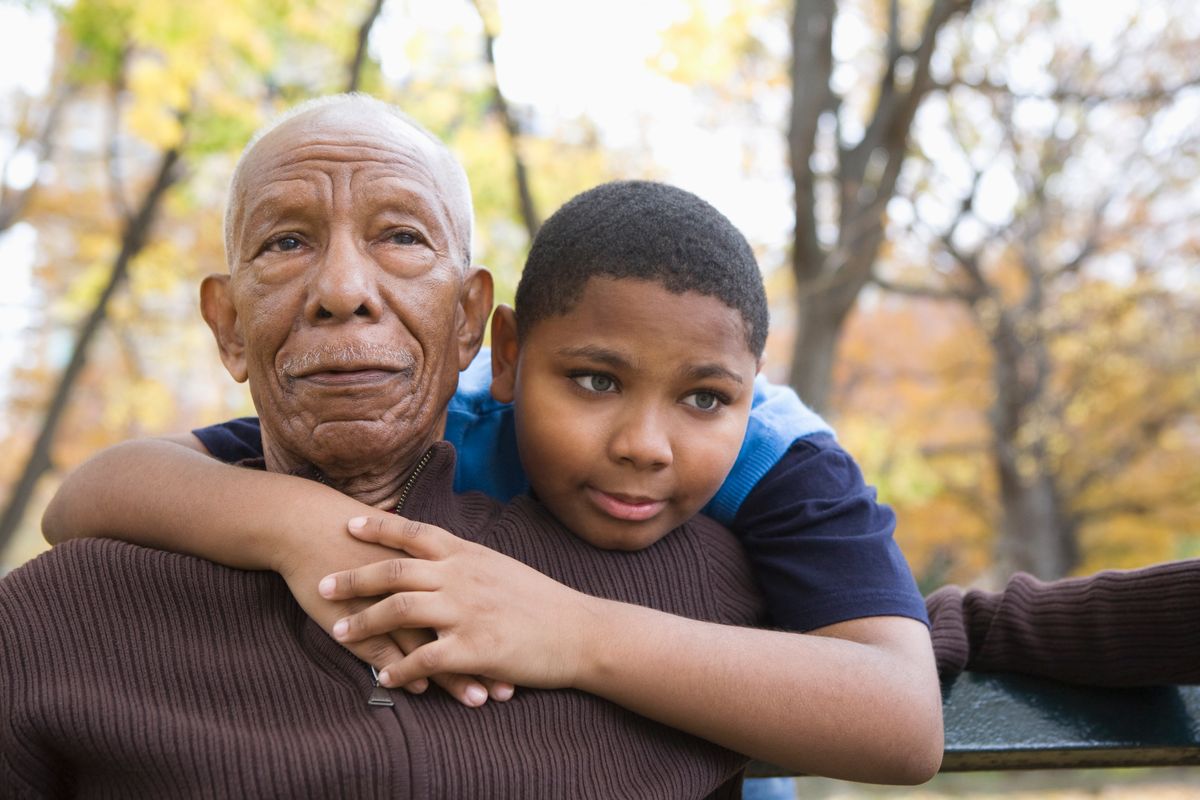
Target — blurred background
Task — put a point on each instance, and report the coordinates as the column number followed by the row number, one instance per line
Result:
column 977, row 222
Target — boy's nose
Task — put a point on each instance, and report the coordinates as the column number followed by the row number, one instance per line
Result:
column 641, row 440
column 345, row 285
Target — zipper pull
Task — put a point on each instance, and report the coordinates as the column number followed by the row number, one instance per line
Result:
column 379, row 696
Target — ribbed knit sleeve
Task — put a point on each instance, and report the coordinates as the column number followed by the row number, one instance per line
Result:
column 1114, row 628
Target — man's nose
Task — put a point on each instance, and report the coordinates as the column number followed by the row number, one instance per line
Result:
column 641, row 439
column 346, row 284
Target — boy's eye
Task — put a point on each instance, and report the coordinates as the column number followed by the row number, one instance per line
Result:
column 704, row 401
column 596, row 383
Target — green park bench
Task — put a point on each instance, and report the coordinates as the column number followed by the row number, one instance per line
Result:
column 1002, row 721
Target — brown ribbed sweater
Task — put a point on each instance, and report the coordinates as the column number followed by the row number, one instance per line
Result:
column 1115, row 628
column 130, row 672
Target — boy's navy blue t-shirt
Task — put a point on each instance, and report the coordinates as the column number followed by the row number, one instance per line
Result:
column 820, row 545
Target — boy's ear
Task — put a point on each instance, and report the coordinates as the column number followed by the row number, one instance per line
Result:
column 474, row 305
column 504, row 354
column 216, row 306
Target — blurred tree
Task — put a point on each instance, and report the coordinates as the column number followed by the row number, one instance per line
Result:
column 1078, row 127
column 1059, row 218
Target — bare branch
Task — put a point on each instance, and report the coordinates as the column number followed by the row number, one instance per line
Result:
column 112, row 150
column 12, row 206
column 354, row 69
column 915, row 290
column 1087, row 98
column 812, row 67
column 1133, row 449
column 529, row 213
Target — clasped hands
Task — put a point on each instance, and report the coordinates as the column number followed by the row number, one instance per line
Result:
column 445, row 609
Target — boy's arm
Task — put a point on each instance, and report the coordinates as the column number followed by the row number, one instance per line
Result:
column 157, row 493
column 857, row 700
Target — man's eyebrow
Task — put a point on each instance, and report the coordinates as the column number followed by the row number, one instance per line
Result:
column 593, row 352
column 700, row 372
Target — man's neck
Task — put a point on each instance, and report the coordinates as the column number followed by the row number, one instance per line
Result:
column 380, row 484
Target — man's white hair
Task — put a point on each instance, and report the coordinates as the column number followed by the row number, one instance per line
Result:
column 456, row 185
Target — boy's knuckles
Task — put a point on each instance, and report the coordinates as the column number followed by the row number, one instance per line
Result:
column 347, row 583
column 400, row 605
column 430, row 660
column 394, row 571
column 375, row 525
column 410, row 529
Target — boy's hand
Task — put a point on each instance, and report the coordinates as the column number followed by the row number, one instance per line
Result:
column 303, row 571
column 493, row 615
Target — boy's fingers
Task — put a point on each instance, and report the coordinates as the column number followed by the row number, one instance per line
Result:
column 498, row 690
column 462, row 688
column 380, row 578
column 418, row 539
column 424, row 662
column 409, row 639
column 375, row 650
column 400, row 610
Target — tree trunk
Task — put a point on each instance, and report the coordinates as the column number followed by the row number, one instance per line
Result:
column 133, row 239
column 1035, row 533
column 828, row 282
column 814, row 348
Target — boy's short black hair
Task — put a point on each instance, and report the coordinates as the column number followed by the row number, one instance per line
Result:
column 645, row 231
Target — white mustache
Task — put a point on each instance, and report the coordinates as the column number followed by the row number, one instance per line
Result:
column 359, row 355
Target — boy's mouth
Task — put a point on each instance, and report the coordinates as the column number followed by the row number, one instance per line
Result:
column 631, row 508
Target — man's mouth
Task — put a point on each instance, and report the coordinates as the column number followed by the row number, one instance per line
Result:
column 350, row 377
column 357, row 365
column 631, row 508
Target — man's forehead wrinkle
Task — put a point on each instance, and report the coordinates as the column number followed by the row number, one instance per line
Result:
column 276, row 198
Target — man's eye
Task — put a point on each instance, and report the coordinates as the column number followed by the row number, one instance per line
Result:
column 704, row 401
column 283, row 244
column 596, row 383
column 403, row 237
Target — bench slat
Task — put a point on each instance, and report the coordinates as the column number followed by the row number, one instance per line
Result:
column 1005, row 721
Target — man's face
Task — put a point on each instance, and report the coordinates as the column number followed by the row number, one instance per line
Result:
column 630, row 408
column 348, row 307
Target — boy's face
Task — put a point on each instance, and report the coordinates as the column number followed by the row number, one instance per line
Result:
column 630, row 408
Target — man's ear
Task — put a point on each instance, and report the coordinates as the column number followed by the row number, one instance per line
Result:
column 505, row 349
column 216, row 306
column 474, row 305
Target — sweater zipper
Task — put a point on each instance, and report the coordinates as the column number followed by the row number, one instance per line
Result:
column 379, row 695
column 412, row 480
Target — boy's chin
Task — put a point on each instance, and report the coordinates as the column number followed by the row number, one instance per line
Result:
column 625, row 537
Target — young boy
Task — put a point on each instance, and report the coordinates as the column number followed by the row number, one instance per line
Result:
column 631, row 360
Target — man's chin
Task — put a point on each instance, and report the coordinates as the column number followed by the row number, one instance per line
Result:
column 350, row 435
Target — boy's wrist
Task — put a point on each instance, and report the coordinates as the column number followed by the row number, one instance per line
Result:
column 603, row 627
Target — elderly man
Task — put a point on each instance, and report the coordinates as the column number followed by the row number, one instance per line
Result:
column 173, row 674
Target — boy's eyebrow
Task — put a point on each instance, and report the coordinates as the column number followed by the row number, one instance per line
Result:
column 615, row 359
column 699, row 372
column 594, row 353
